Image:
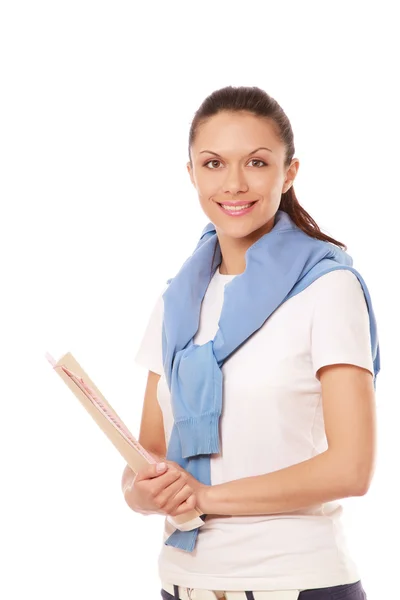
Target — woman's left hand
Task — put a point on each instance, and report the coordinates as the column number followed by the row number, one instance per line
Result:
column 200, row 489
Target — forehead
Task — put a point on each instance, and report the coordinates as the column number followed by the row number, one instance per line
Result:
column 228, row 132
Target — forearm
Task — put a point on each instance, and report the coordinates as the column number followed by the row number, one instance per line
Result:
column 320, row 479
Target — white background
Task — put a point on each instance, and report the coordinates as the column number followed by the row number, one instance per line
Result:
column 97, row 211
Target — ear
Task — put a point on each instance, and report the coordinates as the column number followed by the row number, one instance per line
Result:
column 291, row 174
column 190, row 171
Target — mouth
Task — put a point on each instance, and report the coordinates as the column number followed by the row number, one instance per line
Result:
column 237, row 209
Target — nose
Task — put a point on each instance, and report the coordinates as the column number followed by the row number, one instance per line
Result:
column 235, row 181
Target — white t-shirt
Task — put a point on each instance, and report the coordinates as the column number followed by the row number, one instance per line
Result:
column 272, row 418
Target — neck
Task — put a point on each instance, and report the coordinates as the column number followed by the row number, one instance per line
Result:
column 234, row 250
column 233, row 260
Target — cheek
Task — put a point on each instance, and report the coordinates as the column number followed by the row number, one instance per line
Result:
column 264, row 179
column 268, row 185
column 260, row 182
column 208, row 184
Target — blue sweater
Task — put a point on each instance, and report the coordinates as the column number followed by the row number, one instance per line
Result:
column 279, row 265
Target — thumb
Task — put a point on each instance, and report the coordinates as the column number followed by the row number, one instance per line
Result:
column 151, row 471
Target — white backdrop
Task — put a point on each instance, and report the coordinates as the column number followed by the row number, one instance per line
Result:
column 97, row 211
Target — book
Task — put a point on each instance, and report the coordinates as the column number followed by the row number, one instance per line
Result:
column 70, row 371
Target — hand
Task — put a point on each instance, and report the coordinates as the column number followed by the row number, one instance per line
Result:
column 128, row 475
column 201, row 490
column 164, row 491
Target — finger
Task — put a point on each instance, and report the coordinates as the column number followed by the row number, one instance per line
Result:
column 175, row 465
column 148, row 488
column 189, row 504
column 175, row 501
column 152, row 471
column 168, row 493
column 162, row 485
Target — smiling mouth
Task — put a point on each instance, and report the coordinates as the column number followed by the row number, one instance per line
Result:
column 236, row 207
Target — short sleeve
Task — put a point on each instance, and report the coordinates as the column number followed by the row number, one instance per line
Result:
column 149, row 354
column 340, row 330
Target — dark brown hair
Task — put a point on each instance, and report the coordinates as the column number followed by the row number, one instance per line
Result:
column 257, row 102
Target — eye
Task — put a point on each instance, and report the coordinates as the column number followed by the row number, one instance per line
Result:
column 211, row 161
column 259, row 161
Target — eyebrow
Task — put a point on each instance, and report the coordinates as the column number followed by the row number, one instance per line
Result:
column 253, row 152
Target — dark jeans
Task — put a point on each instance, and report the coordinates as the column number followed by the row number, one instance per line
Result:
column 349, row 591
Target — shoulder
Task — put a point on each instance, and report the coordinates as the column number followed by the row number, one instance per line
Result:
column 340, row 324
column 339, row 278
column 338, row 296
column 340, row 286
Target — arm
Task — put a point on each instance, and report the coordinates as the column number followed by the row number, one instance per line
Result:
column 151, row 436
column 344, row 469
column 156, row 492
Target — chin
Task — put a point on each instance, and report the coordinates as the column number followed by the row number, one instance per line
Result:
column 240, row 230
column 252, row 225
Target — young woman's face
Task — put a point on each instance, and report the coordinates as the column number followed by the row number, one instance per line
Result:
column 238, row 159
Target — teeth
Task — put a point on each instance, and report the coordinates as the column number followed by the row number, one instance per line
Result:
column 235, row 208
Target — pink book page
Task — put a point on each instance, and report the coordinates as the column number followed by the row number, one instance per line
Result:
column 184, row 522
column 107, row 411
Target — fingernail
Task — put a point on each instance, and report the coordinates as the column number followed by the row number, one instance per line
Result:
column 160, row 467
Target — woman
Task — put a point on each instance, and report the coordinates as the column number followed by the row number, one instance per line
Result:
column 297, row 419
